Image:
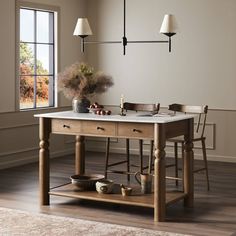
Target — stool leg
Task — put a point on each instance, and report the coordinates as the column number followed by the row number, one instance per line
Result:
column 182, row 147
column 141, row 154
column 128, row 159
column 176, row 164
column 205, row 162
column 107, row 155
column 150, row 157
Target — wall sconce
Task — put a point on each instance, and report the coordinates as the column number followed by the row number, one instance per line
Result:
column 82, row 29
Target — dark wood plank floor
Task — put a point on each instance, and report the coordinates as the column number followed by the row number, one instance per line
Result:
column 214, row 212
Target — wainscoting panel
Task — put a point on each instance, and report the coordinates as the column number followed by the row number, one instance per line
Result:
column 19, row 139
column 19, row 142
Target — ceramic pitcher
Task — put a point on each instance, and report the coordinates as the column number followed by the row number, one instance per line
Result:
column 145, row 180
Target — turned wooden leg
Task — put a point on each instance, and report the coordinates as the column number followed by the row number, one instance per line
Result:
column 79, row 155
column 159, row 173
column 150, row 157
column 182, row 158
column 44, row 131
column 188, row 166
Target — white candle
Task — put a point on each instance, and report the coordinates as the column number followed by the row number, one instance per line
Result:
column 122, row 101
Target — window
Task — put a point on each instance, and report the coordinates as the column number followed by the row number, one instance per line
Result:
column 37, row 61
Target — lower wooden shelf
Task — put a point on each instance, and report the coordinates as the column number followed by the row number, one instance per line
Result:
column 136, row 199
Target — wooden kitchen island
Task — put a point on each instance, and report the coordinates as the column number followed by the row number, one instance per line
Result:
column 157, row 128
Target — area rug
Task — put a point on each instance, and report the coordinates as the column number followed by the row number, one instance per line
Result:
column 22, row 223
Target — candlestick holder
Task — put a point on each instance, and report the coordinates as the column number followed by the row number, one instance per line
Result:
column 122, row 111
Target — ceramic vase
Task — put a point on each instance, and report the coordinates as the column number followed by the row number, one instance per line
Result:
column 80, row 105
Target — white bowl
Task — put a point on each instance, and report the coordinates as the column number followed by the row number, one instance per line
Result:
column 104, row 186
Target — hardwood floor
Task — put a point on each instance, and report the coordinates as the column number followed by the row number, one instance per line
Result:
column 214, row 212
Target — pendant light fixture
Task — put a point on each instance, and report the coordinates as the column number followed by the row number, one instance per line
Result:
column 168, row 28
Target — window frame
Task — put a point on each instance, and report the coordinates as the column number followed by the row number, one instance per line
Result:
column 53, row 95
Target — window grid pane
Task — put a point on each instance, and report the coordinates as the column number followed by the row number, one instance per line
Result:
column 42, row 27
column 37, row 61
column 26, row 92
column 27, row 58
column 44, row 59
column 26, row 25
column 42, row 91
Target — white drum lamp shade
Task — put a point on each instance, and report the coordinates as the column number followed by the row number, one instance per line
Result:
column 82, row 28
column 169, row 25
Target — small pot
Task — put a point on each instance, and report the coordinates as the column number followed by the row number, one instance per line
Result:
column 126, row 191
column 86, row 182
column 104, row 186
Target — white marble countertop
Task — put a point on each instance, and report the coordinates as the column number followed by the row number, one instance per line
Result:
column 135, row 117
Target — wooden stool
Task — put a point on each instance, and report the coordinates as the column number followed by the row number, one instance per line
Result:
column 151, row 109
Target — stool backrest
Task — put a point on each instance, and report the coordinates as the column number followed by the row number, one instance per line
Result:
column 154, row 108
column 200, row 110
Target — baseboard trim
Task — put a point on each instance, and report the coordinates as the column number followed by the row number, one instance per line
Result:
column 32, row 159
column 169, row 154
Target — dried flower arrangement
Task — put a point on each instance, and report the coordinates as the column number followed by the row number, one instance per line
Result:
column 79, row 81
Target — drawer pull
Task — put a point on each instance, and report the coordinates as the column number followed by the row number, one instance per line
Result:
column 66, row 126
column 100, row 128
column 137, row 131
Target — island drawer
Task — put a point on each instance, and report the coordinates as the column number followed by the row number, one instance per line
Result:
column 135, row 130
column 99, row 128
column 66, row 126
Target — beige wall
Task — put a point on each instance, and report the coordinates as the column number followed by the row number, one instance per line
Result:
column 200, row 69
column 7, row 56
column 220, row 141
column 69, row 46
column 19, row 138
column 19, row 130
column 147, row 73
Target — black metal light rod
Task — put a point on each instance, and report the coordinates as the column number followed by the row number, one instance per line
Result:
column 160, row 41
column 133, row 41
column 124, row 18
column 102, row 42
column 82, row 44
column 124, row 39
column 124, row 36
